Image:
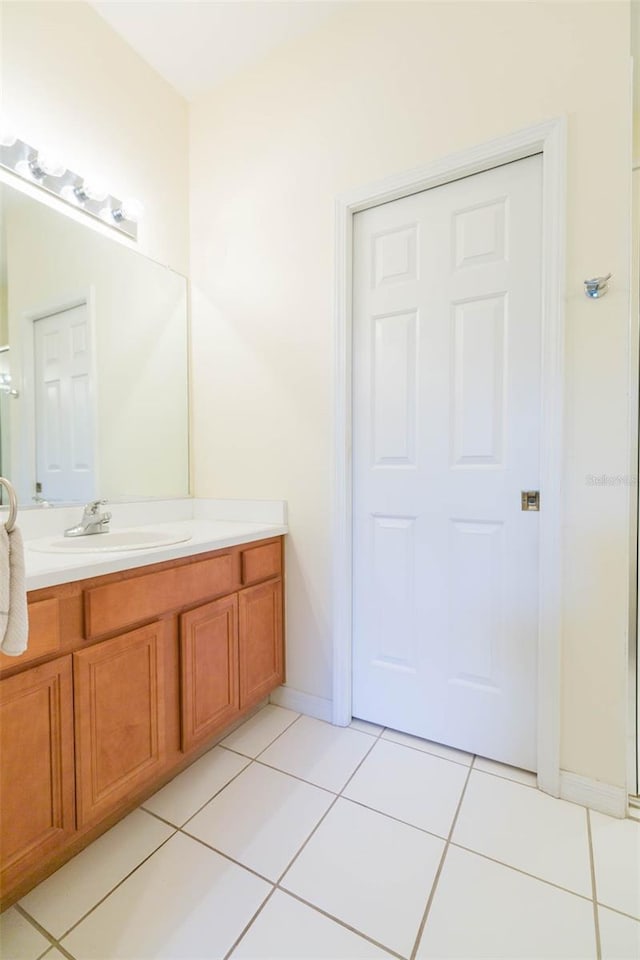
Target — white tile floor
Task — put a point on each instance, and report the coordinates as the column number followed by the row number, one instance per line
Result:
column 296, row 840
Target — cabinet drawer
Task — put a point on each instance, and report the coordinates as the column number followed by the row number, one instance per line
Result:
column 261, row 563
column 44, row 633
column 127, row 602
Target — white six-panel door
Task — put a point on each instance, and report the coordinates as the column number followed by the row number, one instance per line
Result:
column 65, row 427
column 446, row 436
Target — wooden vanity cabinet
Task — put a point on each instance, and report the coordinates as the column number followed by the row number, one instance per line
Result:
column 136, row 674
column 37, row 814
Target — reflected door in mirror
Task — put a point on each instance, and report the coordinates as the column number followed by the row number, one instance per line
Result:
column 65, row 427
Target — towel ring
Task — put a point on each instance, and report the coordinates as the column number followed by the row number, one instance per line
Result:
column 13, row 504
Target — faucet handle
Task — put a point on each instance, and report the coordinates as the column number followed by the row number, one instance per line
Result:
column 93, row 508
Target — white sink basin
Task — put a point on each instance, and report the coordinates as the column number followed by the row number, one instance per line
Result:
column 112, row 542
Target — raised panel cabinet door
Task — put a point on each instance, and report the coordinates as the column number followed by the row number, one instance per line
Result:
column 209, row 669
column 261, row 641
column 37, row 812
column 119, row 712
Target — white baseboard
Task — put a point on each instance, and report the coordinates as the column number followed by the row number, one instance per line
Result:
column 302, row 702
column 594, row 794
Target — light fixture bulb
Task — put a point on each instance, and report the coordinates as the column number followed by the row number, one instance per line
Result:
column 95, row 189
column 130, row 209
column 49, row 164
column 7, row 137
column 91, row 190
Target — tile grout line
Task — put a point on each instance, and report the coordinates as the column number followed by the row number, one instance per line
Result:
column 250, row 923
column 246, row 756
column 592, row 866
column 500, row 776
column 452, row 843
column 236, row 753
column 391, row 816
column 436, row 879
column 620, row 913
column 277, row 886
column 176, row 829
column 413, row 826
column 376, row 737
column 479, row 853
column 429, row 753
column 109, row 892
column 216, row 794
column 523, row 873
column 460, row 763
column 295, row 776
column 343, row 923
column 157, row 816
column 281, row 734
column 52, row 942
column 227, row 856
column 337, row 797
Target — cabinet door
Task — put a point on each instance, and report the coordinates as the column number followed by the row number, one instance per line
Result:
column 36, row 766
column 119, row 710
column 209, row 669
column 261, row 641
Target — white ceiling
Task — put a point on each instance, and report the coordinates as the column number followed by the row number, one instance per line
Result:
column 197, row 44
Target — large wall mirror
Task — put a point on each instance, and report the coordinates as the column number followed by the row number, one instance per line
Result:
column 93, row 362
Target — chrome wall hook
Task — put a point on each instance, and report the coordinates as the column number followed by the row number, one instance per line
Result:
column 597, row 286
column 5, row 385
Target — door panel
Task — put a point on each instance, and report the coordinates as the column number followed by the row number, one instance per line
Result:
column 446, row 398
column 394, row 389
column 478, row 381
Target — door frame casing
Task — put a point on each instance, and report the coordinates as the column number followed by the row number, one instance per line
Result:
column 549, row 139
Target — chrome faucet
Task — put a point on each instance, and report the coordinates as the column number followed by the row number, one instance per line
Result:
column 93, row 521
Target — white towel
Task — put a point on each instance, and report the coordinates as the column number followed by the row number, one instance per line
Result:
column 14, row 621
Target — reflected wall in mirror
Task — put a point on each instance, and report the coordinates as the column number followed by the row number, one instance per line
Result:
column 93, row 338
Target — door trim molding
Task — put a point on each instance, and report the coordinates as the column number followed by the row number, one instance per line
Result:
column 548, row 138
column 594, row 794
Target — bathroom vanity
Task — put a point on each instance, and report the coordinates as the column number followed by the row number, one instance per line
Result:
column 129, row 676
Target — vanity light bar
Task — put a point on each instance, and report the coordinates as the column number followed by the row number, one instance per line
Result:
column 46, row 172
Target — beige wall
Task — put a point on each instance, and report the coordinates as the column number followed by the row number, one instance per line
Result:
column 382, row 89
column 70, row 83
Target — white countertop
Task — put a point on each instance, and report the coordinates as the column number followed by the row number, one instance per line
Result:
column 212, row 524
